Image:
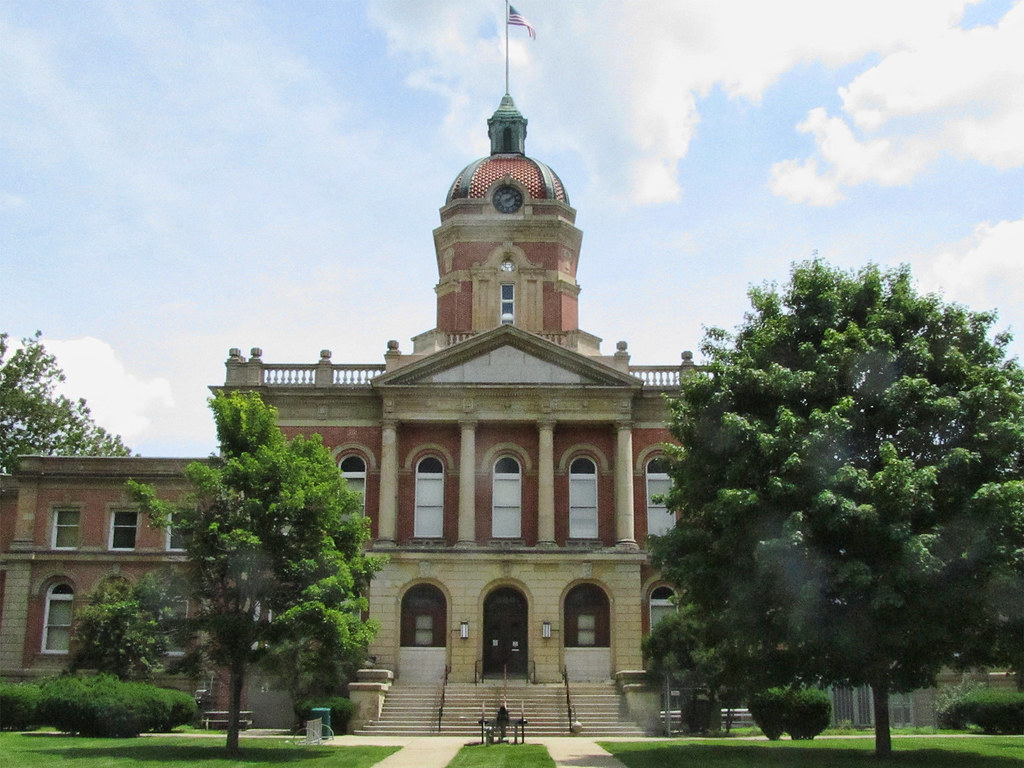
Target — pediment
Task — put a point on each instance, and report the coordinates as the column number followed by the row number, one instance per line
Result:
column 507, row 356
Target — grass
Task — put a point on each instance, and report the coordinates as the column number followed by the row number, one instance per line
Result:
column 39, row 750
column 938, row 752
column 503, row 756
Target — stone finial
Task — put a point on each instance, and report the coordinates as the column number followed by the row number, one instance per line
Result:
column 687, row 357
column 255, row 353
column 325, row 355
column 621, row 346
column 235, row 355
column 392, row 345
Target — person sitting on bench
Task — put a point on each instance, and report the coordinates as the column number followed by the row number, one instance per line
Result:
column 502, row 721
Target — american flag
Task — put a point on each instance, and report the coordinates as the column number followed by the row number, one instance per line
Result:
column 516, row 19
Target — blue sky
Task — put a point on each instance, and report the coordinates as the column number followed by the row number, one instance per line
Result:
column 178, row 178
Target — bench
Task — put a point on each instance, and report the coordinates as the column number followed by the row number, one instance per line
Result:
column 215, row 720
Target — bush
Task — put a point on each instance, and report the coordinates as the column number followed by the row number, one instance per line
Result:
column 19, row 703
column 803, row 713
column 768, row 708
column 995, row 711
column 808, row 714
column 950, row 711
column 104, row 706
column 341, row 708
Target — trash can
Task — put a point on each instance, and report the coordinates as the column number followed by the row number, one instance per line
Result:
column 324, row 713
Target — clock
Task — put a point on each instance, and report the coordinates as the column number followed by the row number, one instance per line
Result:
column 507, row 199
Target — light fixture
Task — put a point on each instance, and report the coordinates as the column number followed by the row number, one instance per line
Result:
column 464, row 630
column 545, row 629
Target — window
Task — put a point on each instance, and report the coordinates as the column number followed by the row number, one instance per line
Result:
column 123, row 527
column 583, row 499
column 659, row 519
column 424, row 617
column 175, row 540
column 172, row 619
column 65, row 528
column 353, row 468
column 508, row 303
column 57, row 619
column 662, row 604
column 506, row 500
column 586, row 617
column 428, row 521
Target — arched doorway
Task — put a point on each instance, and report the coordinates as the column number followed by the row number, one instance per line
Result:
column 505, row 622
column 424, row 633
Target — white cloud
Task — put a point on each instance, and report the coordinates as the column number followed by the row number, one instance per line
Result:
column 120, row 401
column 958, row 93
column 982, row 272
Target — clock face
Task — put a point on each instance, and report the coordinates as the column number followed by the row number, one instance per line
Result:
column 507, row 199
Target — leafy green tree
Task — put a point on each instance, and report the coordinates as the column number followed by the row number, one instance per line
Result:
column 274, row 546
column 126, row 629
column 850, row 486
column 34, row 419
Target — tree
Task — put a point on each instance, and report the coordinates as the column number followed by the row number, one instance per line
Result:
column 274, row 547
column 849, row 484
column 34, row 419
column 126, row 629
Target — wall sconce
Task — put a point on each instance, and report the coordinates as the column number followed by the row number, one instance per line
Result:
column 545, row 629
column 464, row 630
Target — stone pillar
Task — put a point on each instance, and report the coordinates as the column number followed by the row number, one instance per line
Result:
column 624, row 486
column 467, row 484
column 387, row 517
column 546, row 484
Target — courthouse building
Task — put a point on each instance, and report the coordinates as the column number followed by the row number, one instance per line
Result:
column 508, row 466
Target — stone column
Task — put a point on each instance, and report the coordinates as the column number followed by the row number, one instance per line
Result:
column 546, row 484
column 467, row 484
column 624, row 486
column 387, row 518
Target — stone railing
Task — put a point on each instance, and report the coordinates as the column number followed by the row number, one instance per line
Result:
column 255, row 373
column 657, row 376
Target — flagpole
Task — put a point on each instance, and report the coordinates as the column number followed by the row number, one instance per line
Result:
column 506, row 46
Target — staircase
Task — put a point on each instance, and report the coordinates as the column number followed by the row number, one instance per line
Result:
column 411, row 710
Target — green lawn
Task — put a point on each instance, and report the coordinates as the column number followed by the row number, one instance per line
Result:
column 503, row 756
column 38, row 750
column 939, row 752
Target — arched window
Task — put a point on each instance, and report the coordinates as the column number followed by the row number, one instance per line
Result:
column 353, row 469
column 424, row 617
column 659, row 519
column 586, row 617
column 583, row 499
column 506, row 499
column 428, row 521
column 662, row 604
column 57, row 619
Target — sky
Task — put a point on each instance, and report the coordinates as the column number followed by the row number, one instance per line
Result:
column 179, row 178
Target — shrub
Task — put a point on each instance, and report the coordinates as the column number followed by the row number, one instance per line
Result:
column 19, row 703
column 995, row 711
column 949, row 704
column 768, row 708
column 341, row 708
column 803, row 713
column 808, row 712
column 104, row 706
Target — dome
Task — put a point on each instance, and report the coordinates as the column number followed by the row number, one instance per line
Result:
column 507, row 131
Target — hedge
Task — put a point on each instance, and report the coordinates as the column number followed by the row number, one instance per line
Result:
column 105, row 706
column 341, row 708
column 803, row 713
column 994, row 711
column 19, row 703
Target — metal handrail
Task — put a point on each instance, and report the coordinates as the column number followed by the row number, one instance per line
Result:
column 570, row 710
column 444, row 689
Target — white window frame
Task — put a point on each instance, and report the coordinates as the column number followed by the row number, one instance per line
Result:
column 583, row 517
column 58, row 527
column 660, row 607
column 356, row 479
column 507, row 500
column 53, row 597
column 659, row 520
column 114, row 527
column 507, row 303
column 428, row 516
column 169, row 538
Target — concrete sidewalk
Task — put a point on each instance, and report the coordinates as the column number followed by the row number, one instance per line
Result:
column 438, row 751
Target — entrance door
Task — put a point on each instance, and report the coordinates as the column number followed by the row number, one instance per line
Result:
column 505, row 632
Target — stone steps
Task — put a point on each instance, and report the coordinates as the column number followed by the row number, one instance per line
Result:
column 412, row 710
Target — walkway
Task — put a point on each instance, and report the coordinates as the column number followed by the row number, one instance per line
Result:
column 438, row 751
